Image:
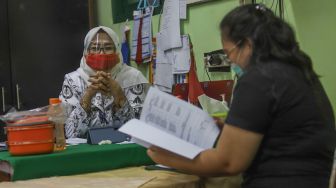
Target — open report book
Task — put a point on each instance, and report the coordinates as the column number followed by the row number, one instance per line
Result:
column 172, row 124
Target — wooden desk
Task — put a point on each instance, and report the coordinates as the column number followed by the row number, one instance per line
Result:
column 127, row 178
column 74, row 160
column 124, row 178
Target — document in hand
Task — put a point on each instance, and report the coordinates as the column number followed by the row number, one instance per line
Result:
column 172, row 124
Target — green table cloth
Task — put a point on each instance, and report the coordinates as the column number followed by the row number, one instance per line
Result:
column 76, row 160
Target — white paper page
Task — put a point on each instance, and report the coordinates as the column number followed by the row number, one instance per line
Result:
column 179, row 118
column 136, row 24
column 183, row 9
column 147, row 135
column 163, row 88
column 147, row 34
column 161, row 57
column 163, row 77
column 180, row 57
column 170, row 25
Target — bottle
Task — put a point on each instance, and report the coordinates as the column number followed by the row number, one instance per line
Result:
column 56, row 115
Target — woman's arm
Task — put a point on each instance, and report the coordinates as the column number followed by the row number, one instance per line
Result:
column 78, row 119
column 122, row 115
column 233, row 154
column 136, row 96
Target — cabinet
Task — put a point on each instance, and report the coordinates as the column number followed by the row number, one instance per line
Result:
column 41, row 41
column 5, row 73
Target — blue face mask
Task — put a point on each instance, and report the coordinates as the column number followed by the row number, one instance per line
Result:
column 236, row 69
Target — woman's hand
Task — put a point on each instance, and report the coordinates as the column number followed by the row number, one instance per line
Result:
column 161, row 156
column 85, row 102
column 228, row 158
column 108, row 87
column 219, row 122
column 101, row 81
column 98, row 84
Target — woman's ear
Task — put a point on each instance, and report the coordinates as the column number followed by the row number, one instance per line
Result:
column 247, row 46
column 246, row 49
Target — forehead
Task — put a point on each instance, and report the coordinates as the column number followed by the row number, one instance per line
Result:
column 225, row 33
column 227, row 43
column 101, row 37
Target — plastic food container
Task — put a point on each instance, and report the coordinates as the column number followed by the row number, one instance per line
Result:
column 30, row 148
column 33, row 135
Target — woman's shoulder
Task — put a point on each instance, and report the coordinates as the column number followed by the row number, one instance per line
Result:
column 130, row 70
column 74, row 78
column 130, row 76
column 73, row 74
column 276, row 71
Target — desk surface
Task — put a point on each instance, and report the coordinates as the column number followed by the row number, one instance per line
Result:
column 125, row 178
column 76, row 160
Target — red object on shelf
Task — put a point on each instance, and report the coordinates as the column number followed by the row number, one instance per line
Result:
column 195, row 89
column 213, row 89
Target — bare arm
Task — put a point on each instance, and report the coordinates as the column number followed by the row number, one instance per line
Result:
column 233, row 154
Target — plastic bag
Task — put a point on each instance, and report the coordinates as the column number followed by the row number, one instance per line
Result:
column 45, row 113
column 15, row 116
column 212, row 106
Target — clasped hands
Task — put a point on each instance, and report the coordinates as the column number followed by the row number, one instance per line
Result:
column 103, row 83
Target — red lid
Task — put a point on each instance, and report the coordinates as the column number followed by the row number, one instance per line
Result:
column 54, row 101
column 33, row 120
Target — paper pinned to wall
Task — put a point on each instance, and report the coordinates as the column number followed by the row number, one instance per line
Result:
column 170, row 25
column 145, row 21
column 180, row 57
column 183, row 9
column 177, row 61
column 163, row 77
column 161, row 57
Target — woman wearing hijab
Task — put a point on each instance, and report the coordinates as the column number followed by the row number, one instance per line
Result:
column 103, row 91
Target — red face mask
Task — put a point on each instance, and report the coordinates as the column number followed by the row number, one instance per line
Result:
column 102, row 61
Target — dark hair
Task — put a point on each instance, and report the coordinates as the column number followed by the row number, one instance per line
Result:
column 272, row 38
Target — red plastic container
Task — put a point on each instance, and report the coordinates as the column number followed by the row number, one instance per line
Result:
column 30, row 133
column 31, row 148
column 30, row 136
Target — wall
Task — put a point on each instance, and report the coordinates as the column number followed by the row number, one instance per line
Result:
column 314, row 22
column 316, row 28
column 201, row 25
column 205, row 38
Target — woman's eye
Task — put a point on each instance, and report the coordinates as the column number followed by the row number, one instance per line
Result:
column 108, row 48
